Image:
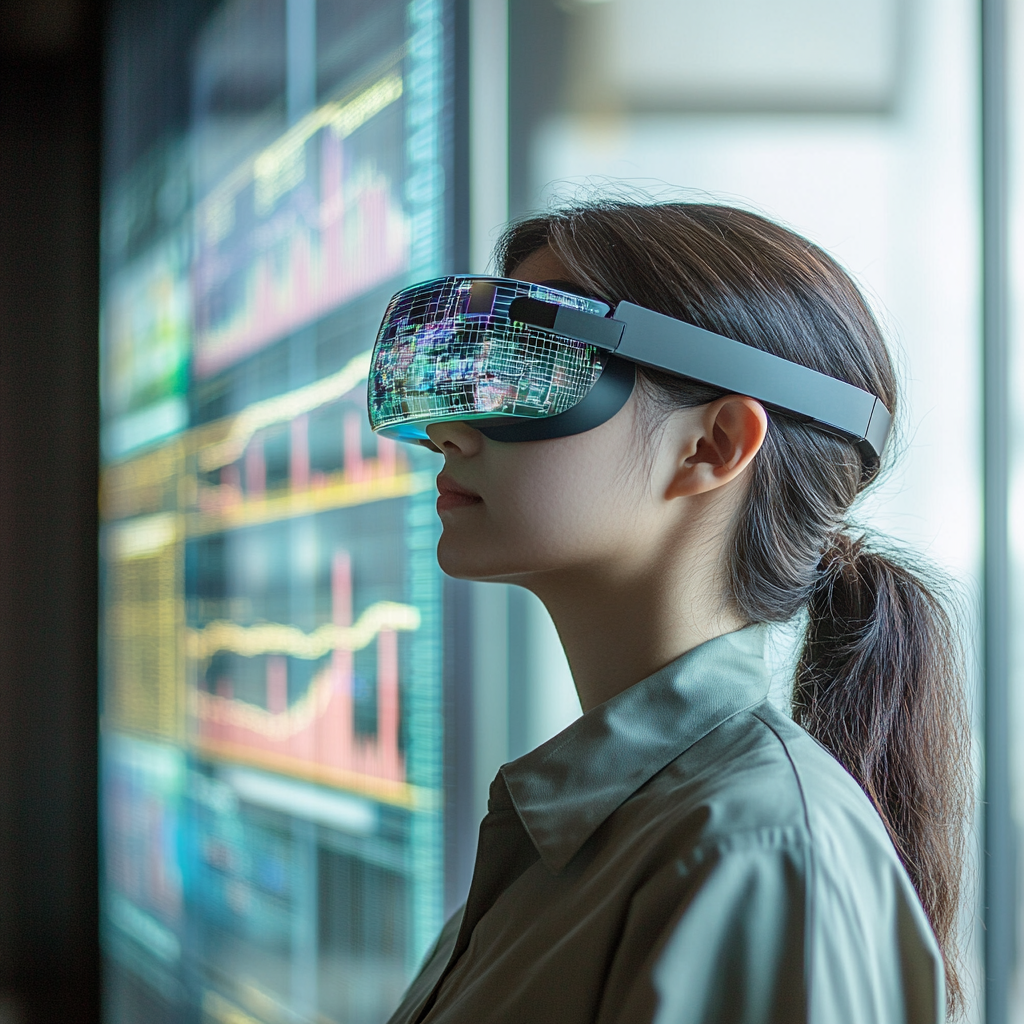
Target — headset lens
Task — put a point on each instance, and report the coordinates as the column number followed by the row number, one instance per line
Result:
column 447, row 350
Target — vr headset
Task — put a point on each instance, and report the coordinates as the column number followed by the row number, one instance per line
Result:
column 525, row 362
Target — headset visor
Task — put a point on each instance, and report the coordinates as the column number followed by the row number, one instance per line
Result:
column 448, row 350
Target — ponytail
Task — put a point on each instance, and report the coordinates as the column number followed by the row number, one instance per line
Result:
column 880, row 680
column 876, row 685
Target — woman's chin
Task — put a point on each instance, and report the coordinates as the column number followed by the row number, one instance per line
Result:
column 455, row 561
column 469, row 562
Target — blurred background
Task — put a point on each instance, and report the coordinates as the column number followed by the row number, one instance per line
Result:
column 246, row 726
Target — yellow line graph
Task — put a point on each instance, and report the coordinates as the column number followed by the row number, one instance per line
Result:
column 401, row 794
column 273, row 168
column 344, row 116
column 282, row 408
column 289, row 504
column 275, row 638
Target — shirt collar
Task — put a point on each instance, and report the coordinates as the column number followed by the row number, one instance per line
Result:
column 567, row 787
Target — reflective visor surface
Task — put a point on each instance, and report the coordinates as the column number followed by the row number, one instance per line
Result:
column 447, row 350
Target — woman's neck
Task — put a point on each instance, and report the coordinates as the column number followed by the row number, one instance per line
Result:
column 619, row 624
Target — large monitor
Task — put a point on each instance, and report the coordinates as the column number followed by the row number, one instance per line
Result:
column 273, row 803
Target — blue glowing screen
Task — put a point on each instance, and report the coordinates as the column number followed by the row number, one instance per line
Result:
column 272, row 719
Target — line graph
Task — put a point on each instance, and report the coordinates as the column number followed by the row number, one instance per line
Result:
column 311, row 222
column 273, row 558
column 274, row 638
column 228, row 507
column 232, row 488
column 314, row 736
column 238, row 431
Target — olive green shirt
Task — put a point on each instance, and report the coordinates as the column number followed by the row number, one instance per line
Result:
column 683, row 854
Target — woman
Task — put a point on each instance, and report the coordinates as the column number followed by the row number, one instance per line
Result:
column 684, row 852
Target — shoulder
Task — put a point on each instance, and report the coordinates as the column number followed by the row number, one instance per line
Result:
column 759, row 790
column 759, row 773
column 776, row 849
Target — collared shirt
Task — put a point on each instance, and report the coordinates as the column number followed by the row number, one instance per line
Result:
column 683, row 854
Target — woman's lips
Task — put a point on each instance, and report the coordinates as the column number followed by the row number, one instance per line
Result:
column 451, row 495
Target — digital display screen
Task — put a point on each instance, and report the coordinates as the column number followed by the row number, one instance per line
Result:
column 272, row 620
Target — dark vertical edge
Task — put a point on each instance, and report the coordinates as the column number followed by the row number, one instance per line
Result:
column 458, row 134
column 49, row 293
column 999, row 861
column 90, row 993
column 91, row 988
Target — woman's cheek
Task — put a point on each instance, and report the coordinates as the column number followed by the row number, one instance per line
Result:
column 565, row 522
column 547, row 505
column 517, row 532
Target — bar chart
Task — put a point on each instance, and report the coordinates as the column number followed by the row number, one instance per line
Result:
column 309, row 224
column 313, row 737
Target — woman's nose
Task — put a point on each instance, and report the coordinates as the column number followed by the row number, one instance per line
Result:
column 456, row 438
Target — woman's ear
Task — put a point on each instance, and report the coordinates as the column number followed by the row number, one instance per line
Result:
column 719, row 446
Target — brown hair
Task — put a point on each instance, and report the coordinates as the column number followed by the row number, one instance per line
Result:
column 880, row 679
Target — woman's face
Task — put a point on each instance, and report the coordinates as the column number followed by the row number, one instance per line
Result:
column 524, row 509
